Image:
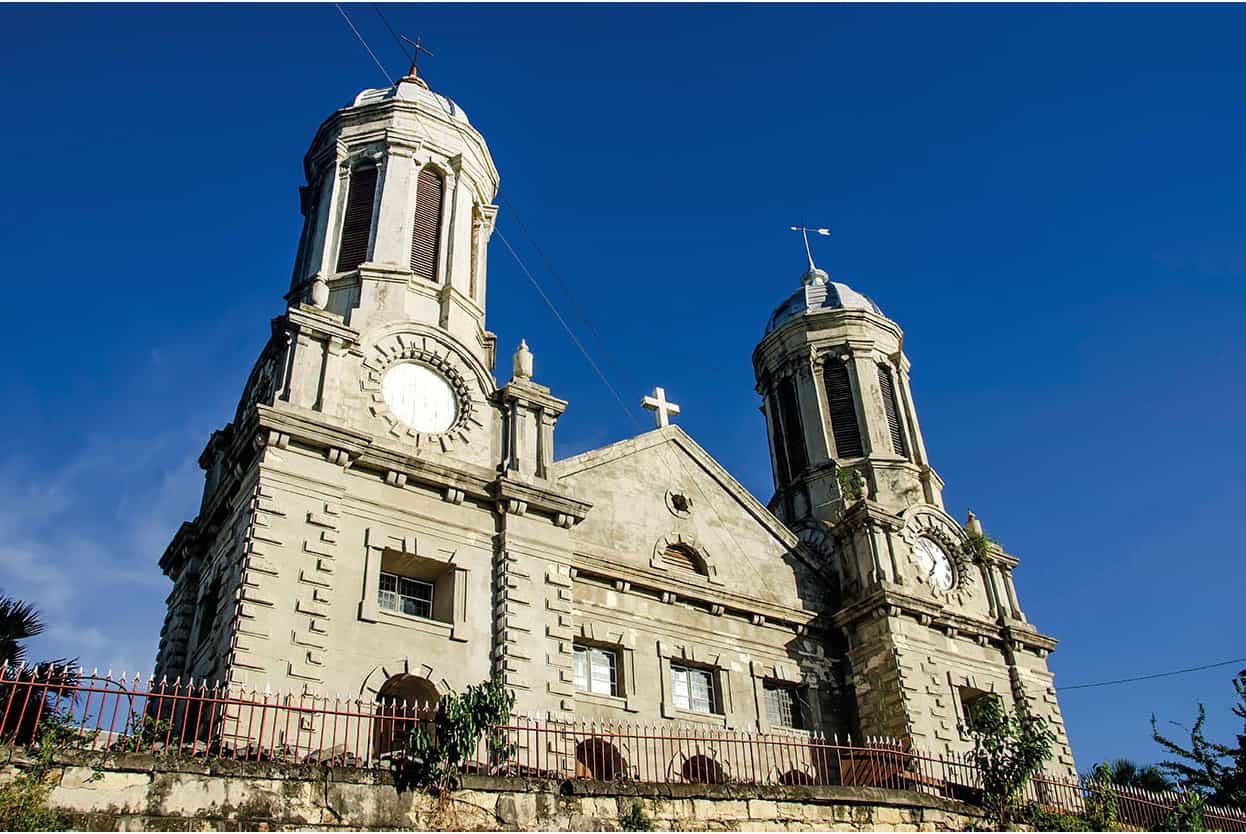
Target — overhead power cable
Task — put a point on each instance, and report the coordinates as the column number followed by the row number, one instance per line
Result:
column 1153, row 676
column 375, row 60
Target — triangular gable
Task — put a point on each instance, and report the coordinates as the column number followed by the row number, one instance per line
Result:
column 631, row 484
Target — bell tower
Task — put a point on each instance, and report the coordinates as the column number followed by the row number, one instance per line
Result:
column 928, row 610
column 398, row 210
column 379, row 513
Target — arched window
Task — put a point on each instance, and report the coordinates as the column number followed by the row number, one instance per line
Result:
column 842, row 409
column 891, row 405
column 357, row 224
column 403, row 703
column 426, row 231
column 683, row 557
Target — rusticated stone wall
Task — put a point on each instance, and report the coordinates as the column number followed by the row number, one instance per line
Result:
column 133, row 792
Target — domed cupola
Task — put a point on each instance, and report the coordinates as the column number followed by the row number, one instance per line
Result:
column 834, row 384
column 398, row 210
column 817, row 292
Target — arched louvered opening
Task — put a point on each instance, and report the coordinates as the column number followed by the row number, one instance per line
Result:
column 891, row 405
column 683, row 557
column 793, row 435
column 426, row 232
column 357, row 224
column 842, row 409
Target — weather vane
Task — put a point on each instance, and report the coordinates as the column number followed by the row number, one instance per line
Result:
column 418, row 47
column 804, row 233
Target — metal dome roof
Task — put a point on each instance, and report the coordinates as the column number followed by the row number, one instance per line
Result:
column 819, row 293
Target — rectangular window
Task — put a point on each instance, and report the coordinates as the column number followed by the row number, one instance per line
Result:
column 693, row 689
column 596, row 670
column 406, row 596
column 782, row 706
column 970, row 700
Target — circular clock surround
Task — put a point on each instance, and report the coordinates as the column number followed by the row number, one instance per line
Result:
column 420, row 397
column 935, row 563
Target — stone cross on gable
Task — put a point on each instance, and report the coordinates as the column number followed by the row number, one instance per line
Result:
column 662, row 409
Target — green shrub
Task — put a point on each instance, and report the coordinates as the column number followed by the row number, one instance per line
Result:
column 1188, row 813
column 24, row 800
column 1007, row 749
column 436, row 751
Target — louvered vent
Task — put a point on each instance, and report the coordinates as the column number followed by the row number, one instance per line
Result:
column 357, row 227
column 793, row 434
column 842, row 410
column 782, row 473
column 426, row 234
column 892, row 407
column 681, row 557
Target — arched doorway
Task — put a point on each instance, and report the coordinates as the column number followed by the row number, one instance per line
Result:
column 596, row 758
column 402, row 703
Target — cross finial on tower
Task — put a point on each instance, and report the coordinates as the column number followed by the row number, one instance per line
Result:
column 804, row 233
column 662, row 409
column 417, row 48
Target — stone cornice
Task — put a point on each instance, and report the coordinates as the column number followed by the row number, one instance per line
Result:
column 526, row 392
column 171, row 559
column 382, row 113
column 811, row 326
column 658, row 583
column 511, row 494
column 865, row 512
column 310, row 318
column 358, row 449
column 887, row 600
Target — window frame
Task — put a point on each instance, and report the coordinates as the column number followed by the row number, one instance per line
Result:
column 398, row 595
column 590, row 651
column 451, row 580
column 796, row 708
column 713, row 698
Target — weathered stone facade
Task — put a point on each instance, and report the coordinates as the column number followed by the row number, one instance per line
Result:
column 140, row 792
column 381, row 519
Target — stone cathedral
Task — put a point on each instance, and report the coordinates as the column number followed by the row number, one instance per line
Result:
column 382, row 519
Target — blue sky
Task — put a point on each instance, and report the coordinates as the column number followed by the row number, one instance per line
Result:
column 1049, row 200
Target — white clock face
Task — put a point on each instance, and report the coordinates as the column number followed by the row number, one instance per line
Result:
column 935, row 563
column 420, row 397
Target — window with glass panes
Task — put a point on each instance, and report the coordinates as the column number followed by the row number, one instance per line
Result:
column 693, row 689
column 406, row 596
column 596, row 670
column 782, row 706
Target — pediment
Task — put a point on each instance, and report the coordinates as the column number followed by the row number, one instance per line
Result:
column 661, row 490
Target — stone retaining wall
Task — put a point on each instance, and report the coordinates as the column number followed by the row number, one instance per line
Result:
column 131, row 792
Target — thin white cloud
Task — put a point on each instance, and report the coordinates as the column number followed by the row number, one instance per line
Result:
column 81, row 543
